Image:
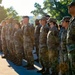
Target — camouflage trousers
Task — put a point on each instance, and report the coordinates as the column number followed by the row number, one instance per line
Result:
column 63, row 61
column 19, row 55
column 28, row 53
column 37, row 49
column 71, row 57
column 11, row 51
column 4, row 50
column 0, row 46
column 53, row 60
column 63, row 56
column 43, row 56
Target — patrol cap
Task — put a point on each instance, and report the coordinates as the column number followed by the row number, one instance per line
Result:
column 52, row 20
column 72, row 4
column 44, row 18
column 66, row 18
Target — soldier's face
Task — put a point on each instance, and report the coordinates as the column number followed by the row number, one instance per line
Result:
column 47, row 18
column 16, row 26
column 40, row 22
column 36, row 22
column 65, row 23
column 43, row 22
column 25, row 20
column 51, row 24
column 71, row 10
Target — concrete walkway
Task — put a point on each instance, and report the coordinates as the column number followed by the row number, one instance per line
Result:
column 4, row 69
column 15, row 70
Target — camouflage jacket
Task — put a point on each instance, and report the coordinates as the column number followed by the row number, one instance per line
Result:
column 28, row 33
column 63, row 39
column 37, row 33
column 71, row 35
column 43, row 35
column 18, row 40
column 52, row 39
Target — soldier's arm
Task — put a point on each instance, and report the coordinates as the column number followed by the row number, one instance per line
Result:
column 3, row 34
column 3, row 38
column 32, row 34
column 72, row 32
column 17, row 41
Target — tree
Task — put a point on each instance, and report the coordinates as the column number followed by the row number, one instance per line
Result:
column 38, row 10
column 12, row 13
column 3, row 13
column 56, row 8
column 0, row 1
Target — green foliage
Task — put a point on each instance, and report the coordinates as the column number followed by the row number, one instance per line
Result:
column 3, row 13
column 56, row 8
column 0, row 1
column 59, row 8
column 12, row 13
column 38, row 10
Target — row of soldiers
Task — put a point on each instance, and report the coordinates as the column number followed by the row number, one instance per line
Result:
column 54, row 47
column 18, row 42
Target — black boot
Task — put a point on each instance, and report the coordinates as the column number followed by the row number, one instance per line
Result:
column 54, row 73
column 31, row 67
column 46, row 72
column 27, row 65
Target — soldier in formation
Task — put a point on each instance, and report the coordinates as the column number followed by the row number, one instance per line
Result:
column 52, row 44
column 43, row 50
column 71, row 39
column 37, row 34
column 18, row 41
column 63, row 51
column 28, row 42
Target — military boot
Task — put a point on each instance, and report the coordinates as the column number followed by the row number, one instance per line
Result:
column 46, row 72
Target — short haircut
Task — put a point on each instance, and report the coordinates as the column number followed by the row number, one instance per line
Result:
column 47, row 15
column 25, row 17
column 66, row 18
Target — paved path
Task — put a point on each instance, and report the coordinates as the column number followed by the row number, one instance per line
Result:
column 15, row 70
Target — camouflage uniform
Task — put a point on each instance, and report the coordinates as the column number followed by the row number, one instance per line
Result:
column 37, row 34
column 28, row 42
column 53, row 43
column 43, row 51
column 11, row 41
column 63, row 51
column 0, row 39
column 3, row 39
column 71, row 46
column 8, row 39
column 18, row 41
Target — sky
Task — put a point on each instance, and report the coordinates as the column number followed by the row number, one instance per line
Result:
column 23, row 7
